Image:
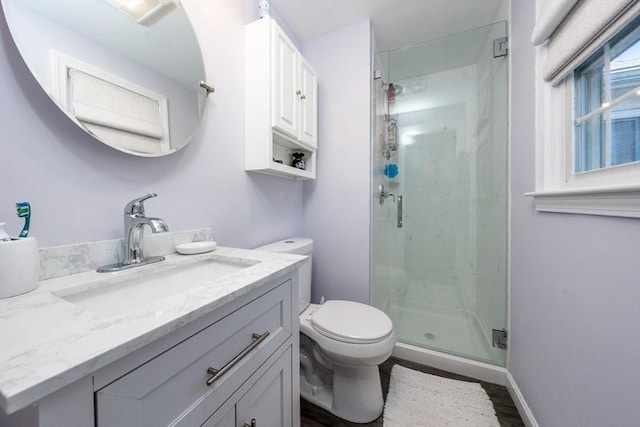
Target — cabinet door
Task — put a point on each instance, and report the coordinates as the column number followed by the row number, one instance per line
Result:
column 225, row 417
column 308, row 105
column 269, row 401
column 284, row 80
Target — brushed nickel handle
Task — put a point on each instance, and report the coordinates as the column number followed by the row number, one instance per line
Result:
column 399, row 211
column 216, row 374
column 253, row 423
column 302, row 96
column 298, row 92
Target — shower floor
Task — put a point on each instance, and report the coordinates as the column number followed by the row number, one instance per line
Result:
column 447, row 330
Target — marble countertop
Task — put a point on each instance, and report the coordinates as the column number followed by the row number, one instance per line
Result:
column 47, row 343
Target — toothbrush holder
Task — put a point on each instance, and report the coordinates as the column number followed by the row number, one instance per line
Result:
column 19, row 266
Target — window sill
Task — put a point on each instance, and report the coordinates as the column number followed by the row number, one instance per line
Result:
column 610, row 201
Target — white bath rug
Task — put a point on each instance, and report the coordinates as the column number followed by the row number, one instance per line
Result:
column 419, row 399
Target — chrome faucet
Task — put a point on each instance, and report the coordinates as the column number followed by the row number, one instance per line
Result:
column 134, row 222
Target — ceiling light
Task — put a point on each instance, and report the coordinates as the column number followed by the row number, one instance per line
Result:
column 130, row 4
column 142, row 10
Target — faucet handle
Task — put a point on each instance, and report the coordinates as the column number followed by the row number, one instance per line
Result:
column 384, row 194
column 136, row 206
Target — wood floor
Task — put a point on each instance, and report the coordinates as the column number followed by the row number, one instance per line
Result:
column 313, row 416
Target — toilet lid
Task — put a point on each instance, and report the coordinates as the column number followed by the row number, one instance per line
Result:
column 351, row 322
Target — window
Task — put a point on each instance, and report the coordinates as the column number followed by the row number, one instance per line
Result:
column 588, row 107
column 607, row 104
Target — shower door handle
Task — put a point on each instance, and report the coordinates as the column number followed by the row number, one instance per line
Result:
column 399, row 207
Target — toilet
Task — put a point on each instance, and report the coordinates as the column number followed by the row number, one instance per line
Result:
column 341, row 345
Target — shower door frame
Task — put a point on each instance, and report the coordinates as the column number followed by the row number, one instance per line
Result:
column 381, row 297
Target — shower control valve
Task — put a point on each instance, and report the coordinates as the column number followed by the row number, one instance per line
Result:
column 384, row 194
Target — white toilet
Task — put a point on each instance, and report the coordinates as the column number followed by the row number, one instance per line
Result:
column 341, row 345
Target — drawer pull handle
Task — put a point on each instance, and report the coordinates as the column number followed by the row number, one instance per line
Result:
column 217, row 374
column 253, row 423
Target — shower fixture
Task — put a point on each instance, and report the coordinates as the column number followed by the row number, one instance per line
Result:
column 384, row 194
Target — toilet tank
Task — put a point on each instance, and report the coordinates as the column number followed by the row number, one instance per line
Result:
column 298, row 246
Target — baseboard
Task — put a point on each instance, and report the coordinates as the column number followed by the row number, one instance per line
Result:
column 518, row 400
column 446, row 362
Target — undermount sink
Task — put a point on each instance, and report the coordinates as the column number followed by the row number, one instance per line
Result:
column 125, row 292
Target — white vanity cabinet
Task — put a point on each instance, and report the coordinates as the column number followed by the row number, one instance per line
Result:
column 280, row 103
column 234, row 365
column 175, row 388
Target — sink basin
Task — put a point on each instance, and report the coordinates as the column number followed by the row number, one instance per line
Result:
column 120, row 294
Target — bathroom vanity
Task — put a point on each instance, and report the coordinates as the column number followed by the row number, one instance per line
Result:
column 85, row 350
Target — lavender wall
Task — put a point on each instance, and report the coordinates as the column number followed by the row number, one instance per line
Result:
column 78, row 186
column 575, row 285
column 337, row 205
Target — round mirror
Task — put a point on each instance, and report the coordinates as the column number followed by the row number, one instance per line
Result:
column 128, row 72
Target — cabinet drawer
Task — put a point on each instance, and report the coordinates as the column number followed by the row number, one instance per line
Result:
column 265, row 397
column 160, row 391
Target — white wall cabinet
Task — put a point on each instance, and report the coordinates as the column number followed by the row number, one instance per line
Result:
column 281, row 92
column 252, row 342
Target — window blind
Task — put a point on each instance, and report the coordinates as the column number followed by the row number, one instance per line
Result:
column 575, row 29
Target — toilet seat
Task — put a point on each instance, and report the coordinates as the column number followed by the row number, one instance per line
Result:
column 351, row 322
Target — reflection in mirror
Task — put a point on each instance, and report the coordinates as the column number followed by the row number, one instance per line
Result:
column 126, row 71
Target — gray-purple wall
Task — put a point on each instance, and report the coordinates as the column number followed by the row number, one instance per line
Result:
column 575, row 285
column 337, row 204
column 78, row 187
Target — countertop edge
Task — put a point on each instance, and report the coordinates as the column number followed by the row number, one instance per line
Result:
column 34, row 393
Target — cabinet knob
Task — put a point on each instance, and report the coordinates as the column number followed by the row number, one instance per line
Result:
column 302, row 96
column 253, row 423
column 298, row 92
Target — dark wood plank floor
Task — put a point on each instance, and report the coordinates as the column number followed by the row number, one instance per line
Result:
column 313, row 416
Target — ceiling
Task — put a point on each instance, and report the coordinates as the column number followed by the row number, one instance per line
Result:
column 396, row 23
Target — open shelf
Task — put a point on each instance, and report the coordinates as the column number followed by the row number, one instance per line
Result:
column 262, row 158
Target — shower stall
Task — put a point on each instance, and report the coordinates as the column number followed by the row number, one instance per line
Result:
column 439, row 200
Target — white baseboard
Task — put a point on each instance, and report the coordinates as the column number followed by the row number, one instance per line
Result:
column 446, row 362
column 518, row 400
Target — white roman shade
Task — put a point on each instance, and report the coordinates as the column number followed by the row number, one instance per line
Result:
column 125, row 115
column 575, row 29
column 115, row 113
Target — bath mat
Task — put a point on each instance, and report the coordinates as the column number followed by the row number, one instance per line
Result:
column 419, row 399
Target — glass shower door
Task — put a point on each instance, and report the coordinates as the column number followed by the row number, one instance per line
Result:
column 441, row 144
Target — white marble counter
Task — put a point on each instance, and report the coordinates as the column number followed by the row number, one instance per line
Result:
column 47, row 342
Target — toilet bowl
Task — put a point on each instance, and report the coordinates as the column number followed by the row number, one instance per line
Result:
column 341, row 345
